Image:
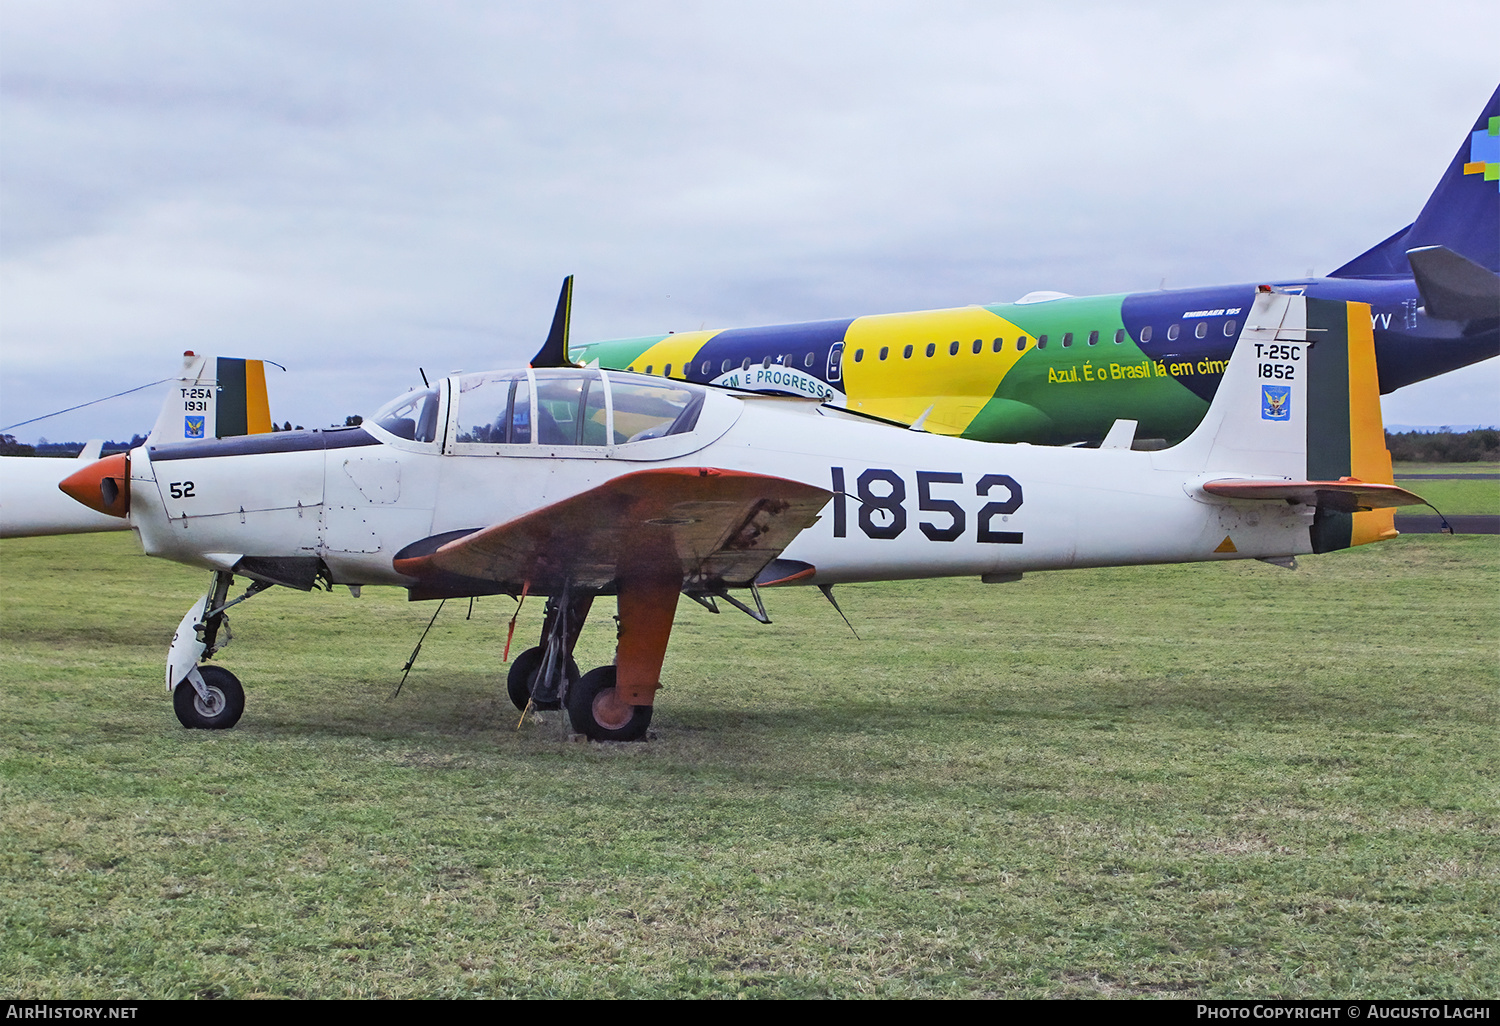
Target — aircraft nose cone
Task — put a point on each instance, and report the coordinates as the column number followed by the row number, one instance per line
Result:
column 103, row 485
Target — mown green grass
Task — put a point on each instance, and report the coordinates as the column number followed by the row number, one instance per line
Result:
column 1225, row 780
column 1456, row 496
column 1406, row 467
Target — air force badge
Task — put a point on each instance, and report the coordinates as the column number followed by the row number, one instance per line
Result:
column 1276, row 402
column 193, row 427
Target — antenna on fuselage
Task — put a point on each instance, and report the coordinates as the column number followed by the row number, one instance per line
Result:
column 554, row 351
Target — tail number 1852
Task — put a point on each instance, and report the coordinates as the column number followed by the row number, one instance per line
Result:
column 882, row 505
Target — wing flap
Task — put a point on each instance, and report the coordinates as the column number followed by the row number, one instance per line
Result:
column 691, row 524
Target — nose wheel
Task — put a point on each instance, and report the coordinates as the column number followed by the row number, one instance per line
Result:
column 219, row 709
column 597, row 712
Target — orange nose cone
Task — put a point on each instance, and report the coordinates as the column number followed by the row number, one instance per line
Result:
column 103, row 485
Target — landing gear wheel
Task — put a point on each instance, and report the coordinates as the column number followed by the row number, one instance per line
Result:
column 518, row 681
column 597, row 712
column 225, row 705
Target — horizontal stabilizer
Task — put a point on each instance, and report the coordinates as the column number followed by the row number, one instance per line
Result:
column 1343, row 496
column 1453, row 287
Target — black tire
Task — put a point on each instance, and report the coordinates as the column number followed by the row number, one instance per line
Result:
column 584, row 710
column 226, row 709
column 518, row 681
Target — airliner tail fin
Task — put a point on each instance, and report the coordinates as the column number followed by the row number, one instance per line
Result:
column 1462, row 214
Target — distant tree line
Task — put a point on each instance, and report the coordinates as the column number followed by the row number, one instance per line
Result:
column 9, row 446
column 1444, row 446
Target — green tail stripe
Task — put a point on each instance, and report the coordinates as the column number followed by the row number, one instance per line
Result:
column 233, row 416
column 1331, row 531
column 1329, row 456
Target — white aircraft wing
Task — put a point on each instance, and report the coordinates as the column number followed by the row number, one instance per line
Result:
column 691, row 524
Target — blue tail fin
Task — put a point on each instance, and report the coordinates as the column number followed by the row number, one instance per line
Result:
column 1462, row 214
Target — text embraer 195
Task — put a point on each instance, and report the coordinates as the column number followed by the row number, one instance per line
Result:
column 577, row 483
column 1061, row 369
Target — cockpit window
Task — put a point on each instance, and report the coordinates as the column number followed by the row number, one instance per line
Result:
column 570, row 408
column 412, row 416
column 645, row 411
column 494, row 408
column 558, row 407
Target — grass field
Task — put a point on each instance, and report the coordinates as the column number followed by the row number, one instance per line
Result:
column 1225, row 780
column 1455, row 497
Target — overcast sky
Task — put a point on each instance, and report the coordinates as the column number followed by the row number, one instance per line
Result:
column 356, row 190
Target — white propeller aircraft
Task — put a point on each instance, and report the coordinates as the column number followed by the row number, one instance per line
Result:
column 211, row 397
column 573, row 483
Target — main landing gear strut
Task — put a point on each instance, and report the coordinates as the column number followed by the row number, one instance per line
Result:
column 609, row 703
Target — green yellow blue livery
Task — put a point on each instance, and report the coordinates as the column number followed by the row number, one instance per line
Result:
column 1059, row 369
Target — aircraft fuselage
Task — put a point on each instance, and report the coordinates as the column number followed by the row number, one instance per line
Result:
column 1054, row 369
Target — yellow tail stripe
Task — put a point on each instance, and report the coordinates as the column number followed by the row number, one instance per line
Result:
column 1369, row 459
column 257, row 405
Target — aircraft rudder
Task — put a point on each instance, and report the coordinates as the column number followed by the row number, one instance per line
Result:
column 214, row 397
column 1346, row 429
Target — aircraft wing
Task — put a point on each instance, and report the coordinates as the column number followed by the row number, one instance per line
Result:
column 1344, row 496
column 688, row 524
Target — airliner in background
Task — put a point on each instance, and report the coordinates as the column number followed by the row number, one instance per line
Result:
column 1059, row 369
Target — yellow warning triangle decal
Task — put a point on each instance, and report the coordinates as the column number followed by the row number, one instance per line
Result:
column 1226, row 545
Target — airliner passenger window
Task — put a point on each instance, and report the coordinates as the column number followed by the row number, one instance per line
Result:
column 1093, row 338
column 1021, row 344
column 952, row 348
column 884, row 352
column 808, row 362
column 931, row 348
column 1229, row 327
column 999, row 344
column 1067, row 338
column 1146, row 333
column 979, row 345
column 1119, row 335
column 859, row 355
column 1173, row 332
column 906, row 353
column 1041, row 341
column 1201, row 330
